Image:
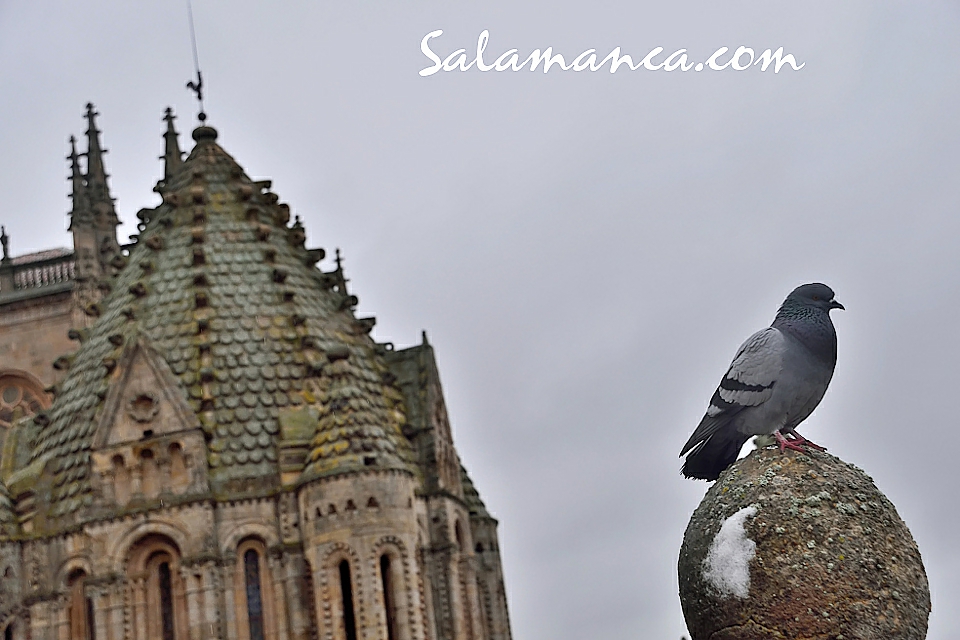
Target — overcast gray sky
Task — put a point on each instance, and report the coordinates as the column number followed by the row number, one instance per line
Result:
column 585, row 250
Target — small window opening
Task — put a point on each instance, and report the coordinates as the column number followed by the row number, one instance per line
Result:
column 388, row 597
column 166, row 602
column 372, row 503
column 346, row 591
column 459, row 534
column 8, row 632
column 80, row 611
column 351, row 506
column 251, row 573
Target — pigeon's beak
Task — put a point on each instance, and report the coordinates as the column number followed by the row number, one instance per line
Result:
column 836, row 305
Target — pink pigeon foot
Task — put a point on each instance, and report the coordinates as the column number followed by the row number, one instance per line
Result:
column 799, row 439
column 786, row 444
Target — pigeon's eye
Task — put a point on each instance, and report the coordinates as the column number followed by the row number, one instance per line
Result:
column 816, row 297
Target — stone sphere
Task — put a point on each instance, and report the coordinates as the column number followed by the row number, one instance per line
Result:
column 800, row 546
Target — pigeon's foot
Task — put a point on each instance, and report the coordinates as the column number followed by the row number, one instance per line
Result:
column 799, row 439
column 787, row 444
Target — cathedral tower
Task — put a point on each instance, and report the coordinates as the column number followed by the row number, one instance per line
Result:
column 229, row 453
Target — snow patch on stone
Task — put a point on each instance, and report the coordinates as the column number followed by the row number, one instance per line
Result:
column 727, row 567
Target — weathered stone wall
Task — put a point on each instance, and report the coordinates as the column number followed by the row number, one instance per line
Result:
column 800, row 546
column 33, row 333
column 359, row 518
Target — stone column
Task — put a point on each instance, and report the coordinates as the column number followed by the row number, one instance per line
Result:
column 468, row 567
column 191, row 584
column 6, row 278
column 63, row 619
column 298, row 618
column 107, row 486
column 227, row 572
column 136, row 475
column 117, row 611
column 279, row 598
column 42, row 623
column 427, row 615
column 139, row 598
column 208, row 576
column 100, row 599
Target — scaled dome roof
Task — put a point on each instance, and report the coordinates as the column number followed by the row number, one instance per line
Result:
column 221, row 287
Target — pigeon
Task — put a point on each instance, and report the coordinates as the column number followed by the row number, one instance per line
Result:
column 775, row 381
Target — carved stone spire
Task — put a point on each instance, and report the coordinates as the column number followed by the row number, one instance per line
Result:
column 97, row 190
column 80, row 211
column 172, row 156
column 93, row 219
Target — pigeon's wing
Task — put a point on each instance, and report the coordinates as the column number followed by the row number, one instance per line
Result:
column 748, row 383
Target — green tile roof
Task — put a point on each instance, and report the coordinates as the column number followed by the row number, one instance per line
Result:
column 360, row 422
column 225, row 291
column 7, row 518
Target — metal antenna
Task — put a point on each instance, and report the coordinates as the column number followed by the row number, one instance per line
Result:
column 196, row 87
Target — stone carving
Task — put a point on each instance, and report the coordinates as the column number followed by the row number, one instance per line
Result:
column 143, row 407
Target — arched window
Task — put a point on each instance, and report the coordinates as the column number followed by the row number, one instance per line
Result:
column 389, row 602
column 20, row 395
column 346, row 593
column 255, row 611
column 149, row 484
column 160, row 597
column 458, row 533
column 179, row 477
column 8, row 632
column 251, row 575
column 165, row 588
column 80, row 607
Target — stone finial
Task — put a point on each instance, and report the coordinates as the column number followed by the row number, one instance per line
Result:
column 96, row 174
column 340, row 279
column 800, row 546
column 5, row 241
column 172, row 156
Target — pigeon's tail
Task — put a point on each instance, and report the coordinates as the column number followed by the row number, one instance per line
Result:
column 708, row 459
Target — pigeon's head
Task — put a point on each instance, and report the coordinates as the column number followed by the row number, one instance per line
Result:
column 814, row 295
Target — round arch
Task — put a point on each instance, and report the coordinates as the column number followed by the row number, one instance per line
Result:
column 71, row 566
column 393, row 574
column 120, row 549
column 249, row 530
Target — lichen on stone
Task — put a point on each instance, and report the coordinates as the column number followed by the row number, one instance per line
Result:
column 832, row 557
